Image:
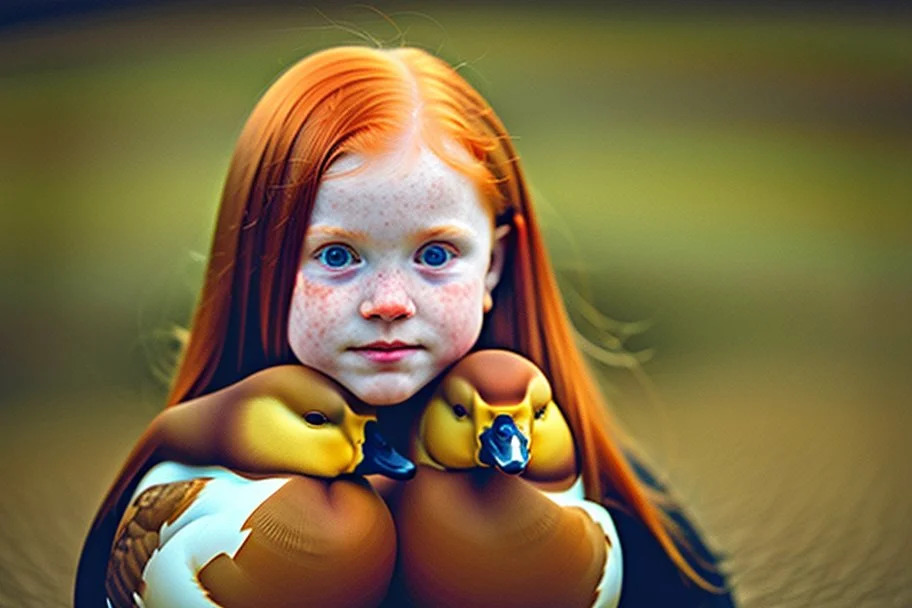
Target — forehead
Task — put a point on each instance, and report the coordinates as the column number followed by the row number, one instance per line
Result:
column 395, row 192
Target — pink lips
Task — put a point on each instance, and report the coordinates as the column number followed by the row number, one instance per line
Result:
column 386, row 352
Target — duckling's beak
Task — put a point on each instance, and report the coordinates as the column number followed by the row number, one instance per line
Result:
column 380, row 457
column 504, row 446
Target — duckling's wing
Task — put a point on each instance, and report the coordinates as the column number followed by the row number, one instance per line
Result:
column 138, row 536
column 89, row 590
column 650, row 577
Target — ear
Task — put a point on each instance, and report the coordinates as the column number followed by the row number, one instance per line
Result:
column 498, row 255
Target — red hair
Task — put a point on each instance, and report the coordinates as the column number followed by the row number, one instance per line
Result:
column 359, row 100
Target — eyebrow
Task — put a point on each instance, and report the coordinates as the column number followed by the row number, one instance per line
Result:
column 447, row 231
column 335, row 232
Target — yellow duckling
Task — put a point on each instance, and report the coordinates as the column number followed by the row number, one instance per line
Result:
column 287, row 521
column 472, row 531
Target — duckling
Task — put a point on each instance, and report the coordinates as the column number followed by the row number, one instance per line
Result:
column 286, row 520
column 496, row 515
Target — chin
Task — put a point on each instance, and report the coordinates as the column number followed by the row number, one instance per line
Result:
column 380, row 392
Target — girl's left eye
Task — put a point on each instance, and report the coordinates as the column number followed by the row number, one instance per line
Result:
column 434, row 255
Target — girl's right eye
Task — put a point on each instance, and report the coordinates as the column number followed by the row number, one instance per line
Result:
column 337, row 257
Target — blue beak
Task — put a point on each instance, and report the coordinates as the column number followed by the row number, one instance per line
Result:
column 380, row 457
column 503, row 446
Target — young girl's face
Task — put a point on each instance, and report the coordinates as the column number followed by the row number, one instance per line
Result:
column 396, row 263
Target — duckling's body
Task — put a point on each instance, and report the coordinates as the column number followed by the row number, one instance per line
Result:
column 471, row 534
column 284, row 521
column 609, row 587
column 206, row 536
column 482, row 538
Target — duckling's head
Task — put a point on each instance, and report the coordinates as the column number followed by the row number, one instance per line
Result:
column 298, row 421
column 495, row 409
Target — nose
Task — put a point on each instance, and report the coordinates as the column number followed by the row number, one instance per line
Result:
column 389, row 300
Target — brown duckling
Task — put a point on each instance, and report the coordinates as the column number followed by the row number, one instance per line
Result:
column 258, row 500
column 481, row 524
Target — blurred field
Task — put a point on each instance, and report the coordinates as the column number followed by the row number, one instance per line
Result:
column 742, row 181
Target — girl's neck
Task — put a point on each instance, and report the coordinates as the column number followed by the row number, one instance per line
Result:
column 398, row 423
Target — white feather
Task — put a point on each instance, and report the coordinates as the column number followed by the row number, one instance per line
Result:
column 209, row 527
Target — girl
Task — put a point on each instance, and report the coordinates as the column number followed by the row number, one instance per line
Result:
column 376, row 226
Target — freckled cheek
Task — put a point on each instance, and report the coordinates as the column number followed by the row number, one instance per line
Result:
column 457, row 313
column 317, row 313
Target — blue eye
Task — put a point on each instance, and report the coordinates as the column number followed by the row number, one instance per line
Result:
column 434, row 256
column 336, row 256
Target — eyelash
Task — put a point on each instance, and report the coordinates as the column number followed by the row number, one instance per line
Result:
column 451, row 251
column 354, row 257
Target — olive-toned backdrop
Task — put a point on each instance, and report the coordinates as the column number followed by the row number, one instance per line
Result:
column 740, row 180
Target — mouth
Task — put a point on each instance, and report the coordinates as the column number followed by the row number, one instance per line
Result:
column 383, row 351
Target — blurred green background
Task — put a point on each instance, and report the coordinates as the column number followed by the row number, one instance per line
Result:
column 741, row 180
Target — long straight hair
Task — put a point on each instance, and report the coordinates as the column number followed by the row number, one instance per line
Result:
column 359, row 100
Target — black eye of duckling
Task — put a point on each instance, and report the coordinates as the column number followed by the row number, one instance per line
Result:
column 540, row 411
column 460, row 411
column 315, row 418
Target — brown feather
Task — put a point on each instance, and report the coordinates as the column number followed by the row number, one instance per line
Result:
column 138, row 535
